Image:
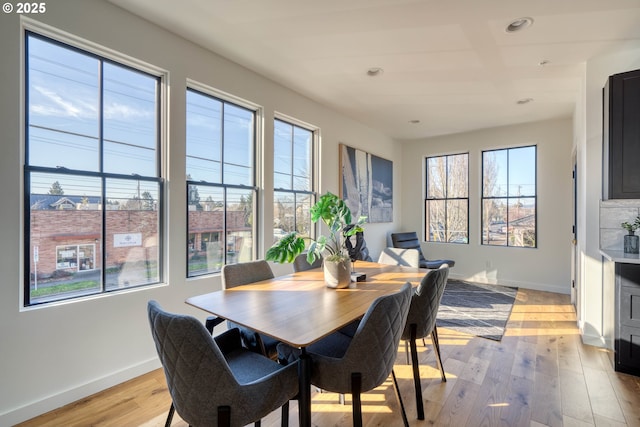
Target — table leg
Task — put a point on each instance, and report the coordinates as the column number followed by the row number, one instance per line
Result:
column 304, row 393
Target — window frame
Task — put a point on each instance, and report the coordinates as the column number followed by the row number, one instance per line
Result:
column 313, row 152
column 507, row 197
column 257, row 111
column 445, row 199
column 104, row 56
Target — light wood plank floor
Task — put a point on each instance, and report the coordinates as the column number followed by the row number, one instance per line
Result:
column 540, row 374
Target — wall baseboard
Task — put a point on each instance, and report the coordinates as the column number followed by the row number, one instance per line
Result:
column 544, row 287
column 65, row 397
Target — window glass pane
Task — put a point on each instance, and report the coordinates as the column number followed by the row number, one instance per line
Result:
column 65, row 231
column 63, row 112
column 132, row 231
column 282, row 150
column 302, row 142
column 284, row 214
column 522, row 171
column 436, row 177
column 447, row 203
column 522, row 222
column 457, row 221
column 494, row 222
column 74, row 99
column 205, row 228
column 494, row 173
column 457, row 175
column 436, row 221
column 303, row 213
column 130, row 121
column 239, row 226
column 282, row 181
column 238, row 145
column 204, row 137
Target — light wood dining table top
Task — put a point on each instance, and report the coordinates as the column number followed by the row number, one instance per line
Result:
column 298, row 308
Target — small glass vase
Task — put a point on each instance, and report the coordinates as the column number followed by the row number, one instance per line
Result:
column 631, row 244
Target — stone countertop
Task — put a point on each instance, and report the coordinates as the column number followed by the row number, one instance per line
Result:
column 620, row 256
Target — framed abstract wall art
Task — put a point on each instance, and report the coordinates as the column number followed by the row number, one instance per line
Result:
column 366, row 184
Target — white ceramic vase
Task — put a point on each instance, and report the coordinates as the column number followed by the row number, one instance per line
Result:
column 337, row 274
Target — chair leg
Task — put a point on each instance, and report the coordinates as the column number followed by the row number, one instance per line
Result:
column 172, row 409
column 257, row 423
column 399, row 397
column 436, row 346
column 416, row 372
column 356, row 390
column 284, row 422
column 224, row 416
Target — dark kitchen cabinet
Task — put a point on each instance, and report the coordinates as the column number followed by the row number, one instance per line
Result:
column 621, row 136
column 627, row 319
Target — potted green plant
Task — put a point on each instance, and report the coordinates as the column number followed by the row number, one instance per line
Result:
column 336, row 215
column 631, row 240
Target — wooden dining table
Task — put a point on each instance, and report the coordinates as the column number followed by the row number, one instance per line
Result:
column 299, row 309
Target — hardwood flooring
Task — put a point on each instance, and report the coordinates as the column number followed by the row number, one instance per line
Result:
column 540, row 374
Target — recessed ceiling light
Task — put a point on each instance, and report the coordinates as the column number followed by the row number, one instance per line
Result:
column 414, row 121
column 375, row 71
column 519, row 24
column 524, row 101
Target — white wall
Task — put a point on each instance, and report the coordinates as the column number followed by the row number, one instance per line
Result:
column 544, row 268
column 588, row 129
column 52, row 355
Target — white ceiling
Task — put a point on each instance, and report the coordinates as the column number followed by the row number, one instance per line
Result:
column 448, row 63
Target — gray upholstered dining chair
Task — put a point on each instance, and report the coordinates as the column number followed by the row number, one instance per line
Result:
column 399, row 256
column 300, row 263
column 421, row 322
column 217, row 381
column 241, row 274
column 357, row 364
column 409, row 240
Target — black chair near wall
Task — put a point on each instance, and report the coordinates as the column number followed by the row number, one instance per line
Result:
column 218, row 381
column 409, row 240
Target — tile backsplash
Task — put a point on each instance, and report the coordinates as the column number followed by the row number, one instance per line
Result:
column 612, row 214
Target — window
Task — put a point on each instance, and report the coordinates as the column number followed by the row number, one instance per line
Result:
column 509, row 197
column 292, row 179
column 93, row 188
column 221, row 138
column 447, row 201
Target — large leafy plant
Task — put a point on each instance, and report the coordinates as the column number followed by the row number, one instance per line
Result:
column 336, row 215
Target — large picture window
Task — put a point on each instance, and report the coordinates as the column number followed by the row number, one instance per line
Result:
column 293, row 179
column 447, row 199
column 221, row 192
column 509, row 197
column 92, row 173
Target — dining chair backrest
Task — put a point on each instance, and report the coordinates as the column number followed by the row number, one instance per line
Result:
column 242, row 274
column 408, row 240
column 300, row 263
column 245, row 272
column 373, row 349
column 194, row 366
column 399, row 256
column 425, row 302
column 202, row 382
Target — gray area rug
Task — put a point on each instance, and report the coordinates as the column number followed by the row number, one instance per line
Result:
column 476, row 309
